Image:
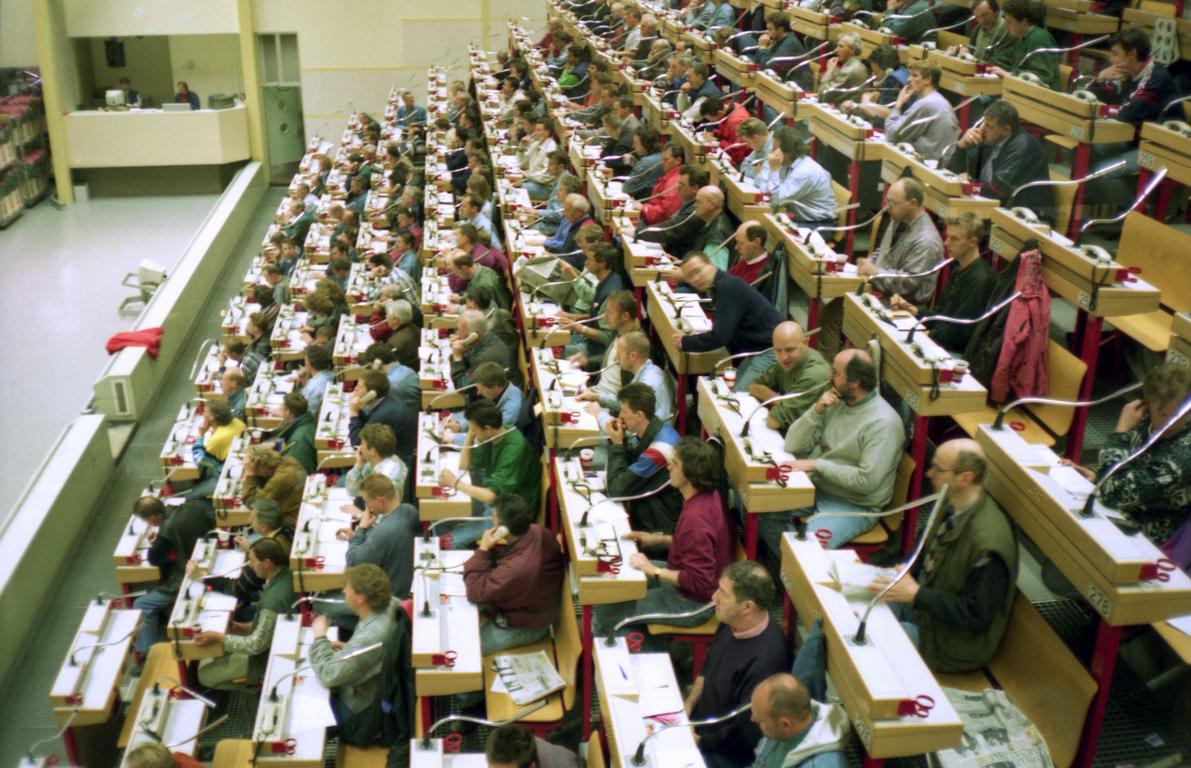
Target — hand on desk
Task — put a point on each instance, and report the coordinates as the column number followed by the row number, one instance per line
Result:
column 587, row 396
column 645, row 540
column 344, row 534
column 1088, row 474
column 208, row 638
column 676, row 339
column 580, row 360
column 866, row 267
column 642, row 563
column 900, row 304
column 903, row 591
column 595, row 409
column 320, row 625
column 802, row 465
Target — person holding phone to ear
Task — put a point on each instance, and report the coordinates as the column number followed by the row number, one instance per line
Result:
column 474, row 344
column 515, row 577
column 373, row 402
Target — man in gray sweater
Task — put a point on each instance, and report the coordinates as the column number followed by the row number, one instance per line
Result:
column 385, row 534
column 855, row 439
column 928, row 122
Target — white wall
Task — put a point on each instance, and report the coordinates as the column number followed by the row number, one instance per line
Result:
column 105, row 18
column 209, row 64
column 146, row 65
column 18, row 44
column 349, row 65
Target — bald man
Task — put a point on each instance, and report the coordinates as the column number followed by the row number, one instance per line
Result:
column 854, row 439
column 955, row 601
column 798, row 731
column 712, row 237
column 798, row 369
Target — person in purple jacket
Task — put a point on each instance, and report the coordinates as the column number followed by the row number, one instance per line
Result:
column 701, row 547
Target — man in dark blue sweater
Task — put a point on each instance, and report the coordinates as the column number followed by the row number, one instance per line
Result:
column 748, row 648
column 744, row 319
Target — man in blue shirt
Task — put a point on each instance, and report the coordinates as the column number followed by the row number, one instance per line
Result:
column 314, row 376
column 632, row 350
column 409, row 113
column 186, row 96
column 575, row 210
column 492, row 384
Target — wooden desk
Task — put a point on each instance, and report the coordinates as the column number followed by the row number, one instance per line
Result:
column 208, row 384
column 644, row 261
column 1179, row 351
column 1066, row 115
column 918, row 371
column 332, row 436
column 452, row 626
column 851, row 136
column 600, row 577
column 294, row 710
column 351, row 339
column 820, row 272
column 1114, row 572
column 758, row 464
column 198, row 610
column 434, row 373
column 130, row 554
column 606, row 195
column 434, row 757
column 564, row 419
column 1097, row 289
column 318, row 557
column 744, row 199
column 635, row 691
column 946, row 193
column 436, row 502
column 780, row 96
column 876, row 680
column 230, row 510
column 175, row 721
column 669, row 312
column 265, row 396
column 1162, row 147
column 177, row 459
column 695, row 145
column 286, row 339
column 86, row 688
column 739, row 71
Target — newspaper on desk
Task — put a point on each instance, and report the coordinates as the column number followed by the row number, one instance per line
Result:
column 996, row 734
column 526, row 677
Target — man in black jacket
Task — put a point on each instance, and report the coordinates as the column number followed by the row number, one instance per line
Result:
column 744, row 319
column 1002, row 157
column 385, row 408
column 177, row 531
column 967, row 292
column 640, row 446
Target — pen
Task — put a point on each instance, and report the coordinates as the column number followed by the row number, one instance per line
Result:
column 623, row 674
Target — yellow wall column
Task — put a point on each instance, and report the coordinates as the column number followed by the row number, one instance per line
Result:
column 253, row 98
column 53, row 61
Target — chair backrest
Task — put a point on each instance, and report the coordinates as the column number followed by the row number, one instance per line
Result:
column 1065, row 373
column 901, row 489
column 1064, row 200
column 948, row 39
column 1043, row 679
column 568, row 646
column 843, row 198
column 1164, row 255
column 546, row 488
column 595, row 752
column 1064, row 76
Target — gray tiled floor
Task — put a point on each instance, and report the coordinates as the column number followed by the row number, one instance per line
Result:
column 23, row 700
column 61, row 278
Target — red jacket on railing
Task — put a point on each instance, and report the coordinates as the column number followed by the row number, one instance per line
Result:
column 1021, row 366
column 149, row 337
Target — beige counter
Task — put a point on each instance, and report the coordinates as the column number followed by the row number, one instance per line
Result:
column 150, row 137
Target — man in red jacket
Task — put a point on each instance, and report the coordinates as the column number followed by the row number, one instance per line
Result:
column 726, row 117
column 517, row 584
column 700, row 548
column 664, row 201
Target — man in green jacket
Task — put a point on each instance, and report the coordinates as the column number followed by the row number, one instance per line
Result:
column 910, row 19
column 1025, row 20
column 498, row 460
column 798, row 369
column 297, row 436
column 466, row 268
column 955, row 602
column 246, row 653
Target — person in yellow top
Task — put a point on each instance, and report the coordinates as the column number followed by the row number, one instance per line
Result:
column 219, row 428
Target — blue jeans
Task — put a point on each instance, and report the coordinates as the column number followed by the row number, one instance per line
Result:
column 537, row 191
column 494, row 639
column 466, row 534
column 659, row 598
column 156, row 605
column 750, row 368
column 770, row 527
